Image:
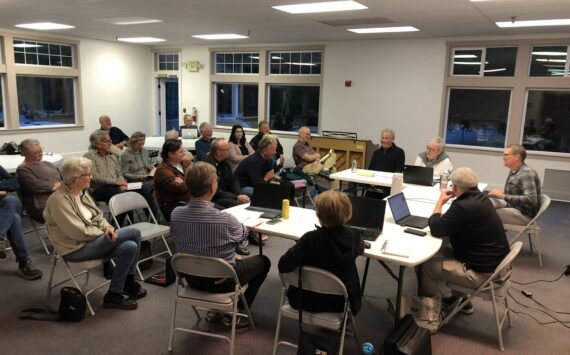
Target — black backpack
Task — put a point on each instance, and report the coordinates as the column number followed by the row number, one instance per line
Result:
column 72, row 305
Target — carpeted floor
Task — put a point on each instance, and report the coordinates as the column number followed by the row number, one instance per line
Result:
column 146, row 330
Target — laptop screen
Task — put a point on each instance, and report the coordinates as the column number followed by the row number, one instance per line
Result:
column 367, row 213
column 418, row 175
column 189, row 133
column 269, row 195
column 398, row 206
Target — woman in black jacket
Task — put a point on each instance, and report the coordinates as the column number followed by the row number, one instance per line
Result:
column 332, row 247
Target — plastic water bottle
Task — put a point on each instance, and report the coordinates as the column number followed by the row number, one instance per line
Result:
column 367, row 348
column 443, row 180
column 353, row 168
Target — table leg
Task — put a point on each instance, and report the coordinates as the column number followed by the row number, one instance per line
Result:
column 365, row 275
column 399, row 293
column 260, row 243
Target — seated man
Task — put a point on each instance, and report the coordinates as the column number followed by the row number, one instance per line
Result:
column 258, row 167
column 434, row 157
column 388, row 157
column 309, row 161
column 79, row 232
column 11, row 227
column 279, row 157
column 37, row 178
column 200, row 229
column 172, row 134
column 118, row 138
column 476, row 234
column 203, row 144
column 520, row 201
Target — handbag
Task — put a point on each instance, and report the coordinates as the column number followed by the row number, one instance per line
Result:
column 311, row 343
column 407, row 338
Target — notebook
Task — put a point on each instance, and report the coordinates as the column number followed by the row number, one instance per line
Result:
column 267, row 198
column 418, row 175
column 189, row 133
column 367, row 216
column 401, row 212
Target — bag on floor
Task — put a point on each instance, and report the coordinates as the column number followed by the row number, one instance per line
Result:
column 72, row 305
column 407, row 339
column 146, row 252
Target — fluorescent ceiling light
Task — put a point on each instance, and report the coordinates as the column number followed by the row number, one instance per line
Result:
column 136, row 21
column 140, row 39
column 467, row 63
column 330, row 6
column 533, row 23
column 465, row 56
column 44, row 26
column 26, row 45
column 220, row 36
column 276, row 57
column 550, row 53
column 494, row 70
column 254, row 57
column 301, row 64
column 548, row 60
column 384, row 29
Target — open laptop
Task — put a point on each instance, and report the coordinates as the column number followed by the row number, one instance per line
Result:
column 267, row 198
column 401, row 213
column 418, row 175
column 367, row 216
column 189, row 133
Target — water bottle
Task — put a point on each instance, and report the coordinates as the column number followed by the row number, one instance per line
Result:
column 443, row 180
column 353, row 167
column 367, row 348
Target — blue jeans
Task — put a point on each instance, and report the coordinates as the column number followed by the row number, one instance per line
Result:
column 11, row 226
column 247, row 190
column 125, row 250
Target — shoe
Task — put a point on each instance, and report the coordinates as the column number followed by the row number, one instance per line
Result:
column 134, row 290
column 118, row 300
column 212, row 316
column 241, row 250
column 241, row 321
column 450, row 303
column 3, row 249
column 29, row 271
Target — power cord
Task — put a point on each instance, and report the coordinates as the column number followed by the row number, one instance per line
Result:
column 565, row 273
column 529, row 295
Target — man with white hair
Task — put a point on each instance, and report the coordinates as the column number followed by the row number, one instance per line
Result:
column 203, row 144
column 388, row 157
column 118, row 138
column 477, row 237
column 435, row 157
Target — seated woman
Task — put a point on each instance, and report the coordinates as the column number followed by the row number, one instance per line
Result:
column 38, row 179
column 239, row 148
column 79, row 232
column 136, row 166
column 332, row 247
column 169, row 186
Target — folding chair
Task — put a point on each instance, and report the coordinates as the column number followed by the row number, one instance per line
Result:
column 85, row 266
column 130, row 201
column 185, row 264
column 320, row 281
column 495, row 289
column 531, row 227
column 36, row 227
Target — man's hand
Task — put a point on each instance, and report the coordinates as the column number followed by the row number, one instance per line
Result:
column 3, row 193
column 111, row 233
column 497, row 193
column 269, row 175
column 141, row 177
column 243, row 199
column 446, row 196
column 178, row 180
column 56, row 185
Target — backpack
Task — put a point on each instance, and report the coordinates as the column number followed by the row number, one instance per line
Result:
column 72, row 305
column 10, row 148
column 291, row 174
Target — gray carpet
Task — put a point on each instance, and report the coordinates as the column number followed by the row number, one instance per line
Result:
column 146, row 330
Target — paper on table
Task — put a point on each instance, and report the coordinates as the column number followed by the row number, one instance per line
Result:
column 249, row 218
column 397, row 247
column 134, row 185
column 365, row 173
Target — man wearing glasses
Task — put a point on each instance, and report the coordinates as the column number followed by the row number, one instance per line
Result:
column 520, row 201
column 434, row 157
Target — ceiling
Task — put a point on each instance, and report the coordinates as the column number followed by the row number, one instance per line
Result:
column 183, row 18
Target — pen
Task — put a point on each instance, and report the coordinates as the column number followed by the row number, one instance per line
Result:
column 384, row 246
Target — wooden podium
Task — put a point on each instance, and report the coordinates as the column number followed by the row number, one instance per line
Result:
column 346, row 150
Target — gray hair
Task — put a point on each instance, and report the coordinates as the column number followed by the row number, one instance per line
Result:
column 204, row 126
column 172, row 134
column 97, row 137
column 102, row 117
column 261, row 123
column 199, row 178
column 388, row 130
column 519, row 150
column 74, row 167
column 215, row 145
column 27, row 144
column 439, row 142
column 266, row 141
column 464, row 178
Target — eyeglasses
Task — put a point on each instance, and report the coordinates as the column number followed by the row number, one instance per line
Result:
column 431, row 149
column 82, row 175
column 224, row 150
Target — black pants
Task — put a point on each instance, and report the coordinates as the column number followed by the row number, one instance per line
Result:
column 251, row 271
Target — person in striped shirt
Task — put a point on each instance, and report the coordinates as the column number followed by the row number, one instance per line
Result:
column 200, row 229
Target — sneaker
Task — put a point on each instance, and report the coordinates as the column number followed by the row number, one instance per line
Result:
column 29, row 271
column 118, row 300
column 134, row 290
column 212, row 316
column 254, row 239
column 241, row 321
column 450, row 303
column 3, row 249
column 241, row 250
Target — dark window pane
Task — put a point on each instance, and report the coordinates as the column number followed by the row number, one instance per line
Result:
column 54, row 49
column 305, row 57
column 316, row 57
column 18, row 45
column 55, row 60
column 66, row 50
column 162, row 66
column 229, row 58
column 295, row 57
column 295, row 67
column 305, row 69
column 467, row 62
column 247, row 68
column 285, row 68
column 220, row 68
column 175, row 66
column 237, row 68
column 45, row 101
column 20, row 58
column 477, row 117
column 274, row 69
column 291, row 107
column 43, row 59
column 31, row 58
column 316, row 69
column 229, row 68
column 238, row 58
column 32, row 48
column 500, row 61
column 547, row 121
column 66, row 61
column 219, row 57
column 44, row 49
column 237, row 104
column 255, row 68
column 285, row 57
column 548, row 60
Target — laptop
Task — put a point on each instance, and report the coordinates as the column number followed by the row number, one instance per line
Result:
column 418, row 175
column 267, row 198
column 367, row 216
column 189, row 133
column 401, row 213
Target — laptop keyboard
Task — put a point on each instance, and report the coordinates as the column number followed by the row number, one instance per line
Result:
column 416, row 221
column 369, row 234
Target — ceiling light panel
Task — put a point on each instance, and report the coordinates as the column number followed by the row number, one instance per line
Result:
column 220, row 36
column 44, row 26
column 330, row 6
column 533, row 23
column 384, row 29
column 140, row 39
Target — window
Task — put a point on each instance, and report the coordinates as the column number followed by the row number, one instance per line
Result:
column 549, row 61
column 295, row 63
column 40, row 53
column 167, row 61
column 492, row 61
column 547, row 121
column 291, row 107
column 236, row 104
column 477, row 117
column 45, row 101
column 237, row 63
column 1, row 104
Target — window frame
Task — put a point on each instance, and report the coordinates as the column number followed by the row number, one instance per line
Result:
column 566, row 65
